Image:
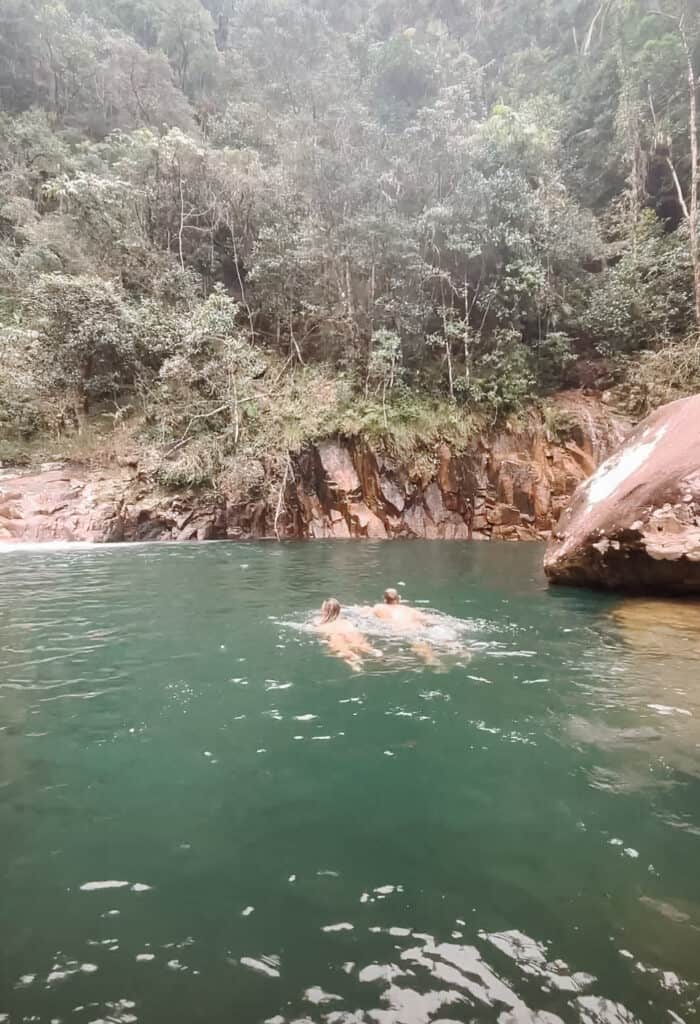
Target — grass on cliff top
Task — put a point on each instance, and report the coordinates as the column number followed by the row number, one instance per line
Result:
column 407, row 425
column 407, row 429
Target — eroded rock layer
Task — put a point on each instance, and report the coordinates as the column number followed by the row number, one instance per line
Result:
column 509, row 485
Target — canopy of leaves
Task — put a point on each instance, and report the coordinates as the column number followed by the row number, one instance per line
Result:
column 401, row 200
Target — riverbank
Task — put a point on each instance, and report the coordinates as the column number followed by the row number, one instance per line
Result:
column 509, row 483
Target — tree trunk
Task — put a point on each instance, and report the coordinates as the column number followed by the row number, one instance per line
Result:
column 450, row 378
column 690, row 209
column 694, row 174
column 467, row 345
column 182, row 217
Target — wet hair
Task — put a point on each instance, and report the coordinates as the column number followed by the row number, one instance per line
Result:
column 391, row 596
column 330, row 610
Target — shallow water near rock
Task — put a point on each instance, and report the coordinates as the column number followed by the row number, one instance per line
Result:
column 205, row 818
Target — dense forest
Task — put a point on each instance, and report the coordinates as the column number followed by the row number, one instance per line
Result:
column 230, row 226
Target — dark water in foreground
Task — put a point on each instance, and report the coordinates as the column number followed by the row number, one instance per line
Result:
column 203, row 818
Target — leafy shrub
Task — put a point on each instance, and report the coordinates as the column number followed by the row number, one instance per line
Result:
column 506, row 381
column 645, row 295
column 655, row 377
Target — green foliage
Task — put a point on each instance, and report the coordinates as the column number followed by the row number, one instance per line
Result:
column 76, row 340
column 407, row 425
column 553, row 354
column 654, row 377
column 506, row 382
column 559, row 424
column 646, row 294
column 239, row 226
column 385, row 368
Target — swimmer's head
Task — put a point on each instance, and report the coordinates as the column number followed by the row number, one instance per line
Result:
column 391, row 596
column 330, row 610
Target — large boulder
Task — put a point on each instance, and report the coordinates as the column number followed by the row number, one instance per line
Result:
column 635, row 524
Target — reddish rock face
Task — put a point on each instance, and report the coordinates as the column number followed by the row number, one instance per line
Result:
column 635, row 524
column 69, row 504
column 507, row 485
column 338, row 467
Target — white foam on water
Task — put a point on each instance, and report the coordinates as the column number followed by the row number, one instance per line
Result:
column 56, row 974
column 666, row 709
column 260, row 966
column 317, row 996
column 342, row 926
column 380, row 972
column 598, row 1010
column 110, row 884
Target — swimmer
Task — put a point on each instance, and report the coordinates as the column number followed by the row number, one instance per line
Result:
column 341, row 637
column 406, row 620
column 400, row 616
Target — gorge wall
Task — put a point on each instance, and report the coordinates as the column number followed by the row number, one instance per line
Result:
column 510, row 484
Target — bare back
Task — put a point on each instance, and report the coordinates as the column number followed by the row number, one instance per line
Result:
column 400, row 616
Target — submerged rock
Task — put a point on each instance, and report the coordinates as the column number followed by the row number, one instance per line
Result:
column 635, row 524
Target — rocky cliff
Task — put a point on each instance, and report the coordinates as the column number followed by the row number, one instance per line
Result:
column 635, row 524
column 509, row 484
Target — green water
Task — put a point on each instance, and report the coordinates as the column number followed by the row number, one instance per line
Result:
column 512, row 838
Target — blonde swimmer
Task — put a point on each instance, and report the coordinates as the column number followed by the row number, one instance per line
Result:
column 342, row 639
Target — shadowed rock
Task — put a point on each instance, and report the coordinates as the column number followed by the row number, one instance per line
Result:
column 635, row 524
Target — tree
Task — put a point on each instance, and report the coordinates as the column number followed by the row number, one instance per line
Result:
column 690, row 206
column 466, row 204
column 80, row 339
